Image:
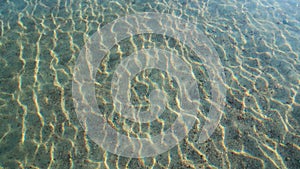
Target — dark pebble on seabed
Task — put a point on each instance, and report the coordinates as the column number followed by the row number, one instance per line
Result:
column 284, row 21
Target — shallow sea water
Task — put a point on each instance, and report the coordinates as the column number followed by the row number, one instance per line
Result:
column 258, row 43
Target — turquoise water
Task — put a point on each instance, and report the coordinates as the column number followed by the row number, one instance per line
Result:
column 257, row 43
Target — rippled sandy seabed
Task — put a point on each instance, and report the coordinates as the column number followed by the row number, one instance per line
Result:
column 258, row 43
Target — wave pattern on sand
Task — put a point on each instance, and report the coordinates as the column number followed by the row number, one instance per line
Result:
column 257, row 42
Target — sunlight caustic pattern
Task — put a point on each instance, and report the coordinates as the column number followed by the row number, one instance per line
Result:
column 100, row 44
